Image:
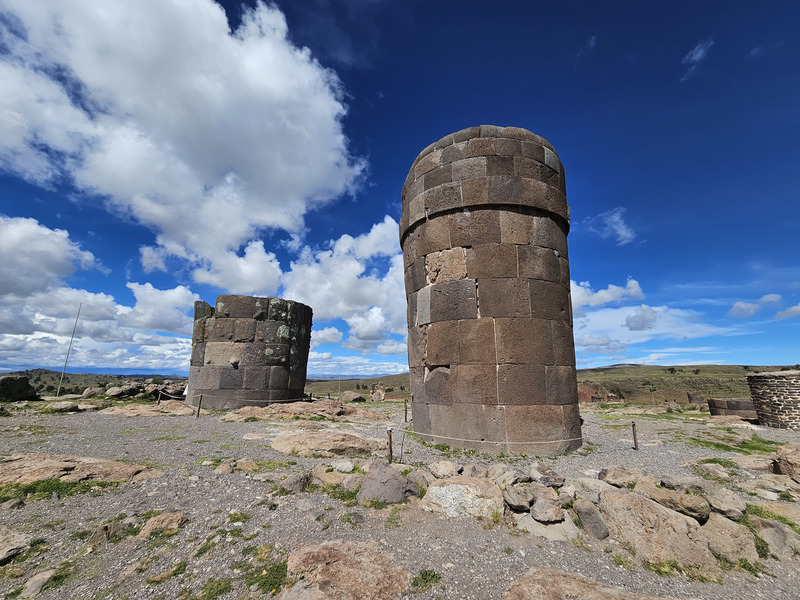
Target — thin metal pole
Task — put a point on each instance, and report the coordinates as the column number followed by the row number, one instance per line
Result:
column 199, row 404
column 635, row 441
column 405, row 410
column 389, row 432
column 75, row 327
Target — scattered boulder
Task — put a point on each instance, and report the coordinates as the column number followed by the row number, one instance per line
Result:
column 27, row 468
column 626, row 477
column 782, row 540
column 324, row 443
column 323, row 476
column 555, row 532
column 247, row 464
column 341, row 570
column 518, row 498
column 511, row 477
column 327, row 410
column 16, row 388
column 591, row 519
column 496, row 470
column 296, row 482
column 343, row 466
column 352, row 397
column 63, row 406
column 724, row 501
column 12, row 543
column 167, row 407
column 443, row 469
column 225, row 467
column 92, row 392
column 542, row 583
column 787, row 461
column 35, row 584
column 464, row 496
column 541, row 473
column 685, row 503
column 546, row 507
column 475, row 471
column 656, row 533
column 729, row 541
column 385, row 484
column 589, row 489
column 789, row 511
column 107, row 531
column 168, row 523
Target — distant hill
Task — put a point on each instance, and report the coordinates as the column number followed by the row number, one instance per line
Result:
column 45, row 381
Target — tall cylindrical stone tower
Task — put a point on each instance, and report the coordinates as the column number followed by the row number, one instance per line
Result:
column 248, row 351
column 490, row 348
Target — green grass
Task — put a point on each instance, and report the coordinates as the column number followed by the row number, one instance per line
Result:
column 63, row 573
column 425, row 580
column 270, row 579
column 214, row 588
column 623, row 562
column 337, row 492
column 757, row 511
column 722, row 462
column 756, row 569
column 178, row 569
column 238, row 517
column 44, row 489
column 167, row 438
column 664, row 568
column 755, row 445
column 762, row 547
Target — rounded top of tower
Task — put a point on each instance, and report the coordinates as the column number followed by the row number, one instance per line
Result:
column 483, row 166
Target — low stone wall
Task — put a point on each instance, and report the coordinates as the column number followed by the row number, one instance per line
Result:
column 739, row 407
column 776, row 397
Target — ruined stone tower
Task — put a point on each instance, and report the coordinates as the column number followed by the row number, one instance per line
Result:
column 248, row 351
column 484, row 235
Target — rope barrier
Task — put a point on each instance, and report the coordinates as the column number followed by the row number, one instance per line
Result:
column 444, row 437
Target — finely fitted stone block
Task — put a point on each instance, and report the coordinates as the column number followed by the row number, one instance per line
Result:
column 223, row 354
column 278, row 309
column 276, row 354
column 521, row 384
column 453, row 300
column 428, row 163
column 469, row 168
column 440, row 347
column 506, row 189
column 437, row 177
column 507, row 146
column 562, row 384
column 447, row 265
column 442, row 198
column 434, row 236
column 516, row 227
column 538, row 263
column 549, row 300
column 438, row 386
column 199, row 331
column 504, row 297
column 219, row 330
column 206, row 378
column 480, row 147
column 198, row 354
column 524, row 341
column 475, row 192
column 492, row 260
column 230, row 378
column 416, row 275
column 476, row 341
column 202, row 310
column 278, row 378
column 244, row 330
column 473, row 227
column 493, row 324
column 253, row 354
column 256, row 378
column 474, row 384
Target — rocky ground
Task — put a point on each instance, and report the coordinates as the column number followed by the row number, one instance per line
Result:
column 222, row 505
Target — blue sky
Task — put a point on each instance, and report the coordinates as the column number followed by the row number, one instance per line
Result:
column 157, row 152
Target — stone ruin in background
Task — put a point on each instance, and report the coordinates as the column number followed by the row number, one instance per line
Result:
column 484, row 235
column 776, row 397
column 248, row 351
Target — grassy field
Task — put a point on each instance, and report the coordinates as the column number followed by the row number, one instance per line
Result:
column 640, row 384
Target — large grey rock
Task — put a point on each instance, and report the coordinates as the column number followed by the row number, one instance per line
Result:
column 443, row 469
column 296, row 482
column 724, row 501
column 35, row 584
column 494, row 471
column 787, row 461
column 385, row 484
column 655, row 533
column 545, row 510
column 12, row 543
column 564, row 531
column 542, row 583
column 62, row 406
column 91, row 392
column 475, row 471
column 511, row 477
column 782, row 540
column 729, row 541
column 690, row 505
column 626, row 477
column 324, row 443
column 16, row 388
column 518, row 498
column 464, row 496
column 541, row 473
column 589, row 489
column 167, row 523
column 27, row 468
column 591, row 519
column 342, row 570
column 352, row 397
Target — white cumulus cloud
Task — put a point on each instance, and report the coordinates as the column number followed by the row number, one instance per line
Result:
column 611, row 225
column 748, row 309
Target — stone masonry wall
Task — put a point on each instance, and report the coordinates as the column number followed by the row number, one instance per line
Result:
column 738, row 407
column 776, row 397
column 248, row 351
column 484, row 235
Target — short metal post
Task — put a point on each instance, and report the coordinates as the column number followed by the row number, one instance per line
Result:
column 405, row 410
column 635, row 440
column 199, row 403
column 389, row 432
column 158, row 402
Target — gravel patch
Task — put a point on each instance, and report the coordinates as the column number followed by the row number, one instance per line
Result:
column 229, row 513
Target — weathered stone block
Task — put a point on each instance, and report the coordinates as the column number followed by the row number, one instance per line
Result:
column 516, row 227
column 524, row 341
column 507, row 146
column 469, row 168
column 278, row 309
column 504, row 297
column 447, row 265
column 256, row 378
column 474, row 384
column 276, row 354
column 470, row 228
column 202, row 310
column 550, row 300
column 428, row 163
column 244, row 330
column 437, row 385
column 223, row 354
column 442, row 198
column 562, row 384
column 492, row 260
column 278, row 378
column 231, row 378
column 475, row 192
column 499, row 165
column 198, row 354
column 434, row 236
column 480, row 147
column 440, row 347
column 506, row 189
column 538, row 263
column 476, row 341
column 453, row 300
column 437, row 177
column 521, row 384
column 219, row 330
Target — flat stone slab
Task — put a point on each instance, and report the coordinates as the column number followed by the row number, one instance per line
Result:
column 550, row 584
column 27, row 468
column 330, row 410
column 324, row 443
column 168, row 407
